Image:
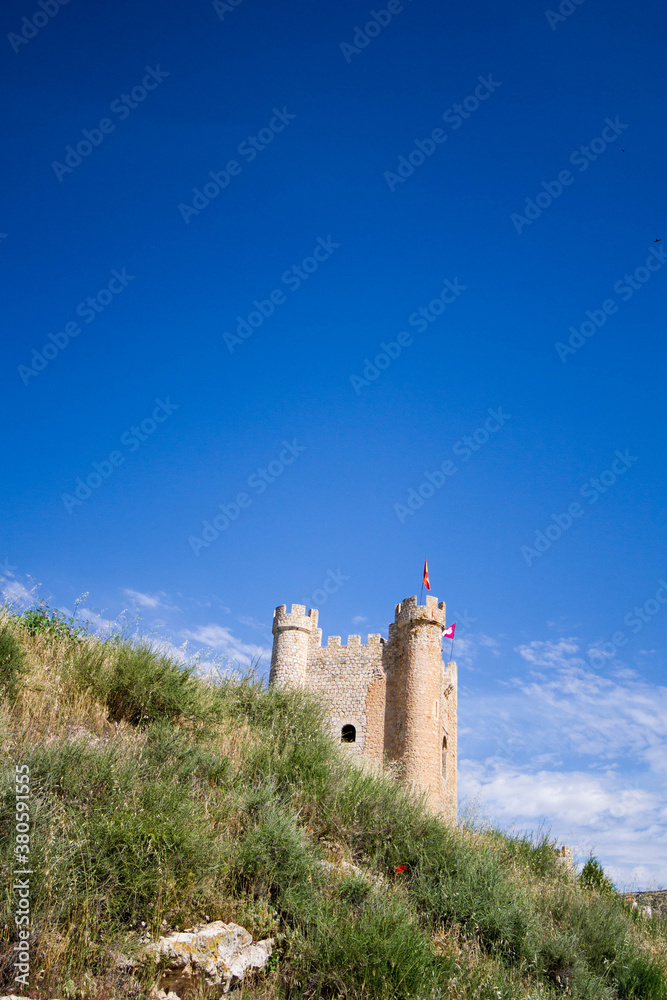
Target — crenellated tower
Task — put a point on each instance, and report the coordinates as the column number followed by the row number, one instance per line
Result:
column 390, row 700
column 293, row 634
column 418, row 687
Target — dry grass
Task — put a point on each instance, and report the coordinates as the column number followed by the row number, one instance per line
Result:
column 48, row 707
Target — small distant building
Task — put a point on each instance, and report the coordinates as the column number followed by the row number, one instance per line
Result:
column 389, row 700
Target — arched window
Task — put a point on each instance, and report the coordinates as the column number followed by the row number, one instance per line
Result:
column 444, row 757
column 348, row 734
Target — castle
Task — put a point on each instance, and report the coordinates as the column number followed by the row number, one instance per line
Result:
column 389, row 700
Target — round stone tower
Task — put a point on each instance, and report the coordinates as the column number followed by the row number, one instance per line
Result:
column 293, row 633
column 428, row 757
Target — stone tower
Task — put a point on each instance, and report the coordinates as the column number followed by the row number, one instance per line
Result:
column 293, row 634
column 390, row 700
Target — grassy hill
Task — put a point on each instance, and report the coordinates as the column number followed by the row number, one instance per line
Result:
column 159, row 800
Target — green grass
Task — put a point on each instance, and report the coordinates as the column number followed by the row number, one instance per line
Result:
column 159, row 797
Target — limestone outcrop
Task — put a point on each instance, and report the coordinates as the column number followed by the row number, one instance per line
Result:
column 214, row 955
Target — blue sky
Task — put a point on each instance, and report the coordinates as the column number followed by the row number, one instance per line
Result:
column 306, row 295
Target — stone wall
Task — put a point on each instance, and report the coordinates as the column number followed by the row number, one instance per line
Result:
column 343, row 676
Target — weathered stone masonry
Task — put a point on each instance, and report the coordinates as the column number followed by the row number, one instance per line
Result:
column 390, row 700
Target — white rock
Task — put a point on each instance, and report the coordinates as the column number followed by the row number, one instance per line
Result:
column 218, row 954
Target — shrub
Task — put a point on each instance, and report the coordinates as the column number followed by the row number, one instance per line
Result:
column 639, row 976
column 43, row 620
column 115, row 837
column 185, row 755
column 273, row 856
column 378, row 950
column 137, row 684
column 533, row 851
column 593, row 877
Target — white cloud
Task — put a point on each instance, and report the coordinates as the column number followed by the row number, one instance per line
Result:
column 486, row 641
column 149, row 600
column 358, row 619
column 144, row 600
column 17, row 595
column 470, row 648
column 573, row 797
column 603, row 815
column 221, row 639
column 582, row 752
column 600, row 715
column 550, row 654
column 101, row 623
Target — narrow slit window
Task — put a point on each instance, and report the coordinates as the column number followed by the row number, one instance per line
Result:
column 444, row 757
column 348, row 734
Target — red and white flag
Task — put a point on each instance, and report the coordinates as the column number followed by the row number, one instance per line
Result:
column 449, row 632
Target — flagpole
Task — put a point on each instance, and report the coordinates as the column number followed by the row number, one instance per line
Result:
column 451, row 652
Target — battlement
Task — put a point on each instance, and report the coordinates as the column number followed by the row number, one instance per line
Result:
column 430, row 613
column 295, row 619
column 353, row 640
